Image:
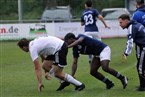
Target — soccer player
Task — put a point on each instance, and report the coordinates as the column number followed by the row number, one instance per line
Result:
column 135, row 34
column 88, row 19
column 51, row 49
column 139, row 14
column 86, row 45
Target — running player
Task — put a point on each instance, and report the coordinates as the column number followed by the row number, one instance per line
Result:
column 86, row 45
column 88, row 19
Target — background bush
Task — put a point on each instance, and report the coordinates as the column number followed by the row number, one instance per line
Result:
column 32, row 9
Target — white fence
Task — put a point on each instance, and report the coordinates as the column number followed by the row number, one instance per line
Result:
column 32, row 30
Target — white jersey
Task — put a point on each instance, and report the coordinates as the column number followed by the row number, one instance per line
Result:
column 44, row 46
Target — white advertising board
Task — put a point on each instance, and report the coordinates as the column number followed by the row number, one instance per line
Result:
column 62, row 29
column 28, row 30
column 32, row 30
column 116, row 31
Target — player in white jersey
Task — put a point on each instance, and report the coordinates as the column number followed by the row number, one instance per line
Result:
column 53, row 51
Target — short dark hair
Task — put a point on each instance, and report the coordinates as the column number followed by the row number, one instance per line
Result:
column 140, row 1
column 124, row 16
column 89, row 3
column 69, row 36
column 23, row 42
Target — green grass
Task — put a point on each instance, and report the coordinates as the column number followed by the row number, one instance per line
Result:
column 18, row 79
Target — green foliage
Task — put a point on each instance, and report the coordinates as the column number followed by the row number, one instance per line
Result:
column 32, row 5
column 9, row 8
column 18, row 79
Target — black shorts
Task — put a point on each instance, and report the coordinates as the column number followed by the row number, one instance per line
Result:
column 60, row 57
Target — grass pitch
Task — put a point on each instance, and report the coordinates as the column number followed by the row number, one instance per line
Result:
column 18, row 79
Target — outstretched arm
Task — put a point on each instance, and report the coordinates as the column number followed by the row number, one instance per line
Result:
column 82, row 23
column 38, row 74
column 103, row 21
column 76, row 42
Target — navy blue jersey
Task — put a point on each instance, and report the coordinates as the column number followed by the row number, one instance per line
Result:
column 88, row 46
column 139, row 15
column 136, row 34
column 89, row 18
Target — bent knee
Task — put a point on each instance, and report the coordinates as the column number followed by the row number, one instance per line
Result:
column 92, row 72
column 106, row 69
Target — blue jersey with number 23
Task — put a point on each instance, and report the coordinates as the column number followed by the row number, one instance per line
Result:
column 89, row 18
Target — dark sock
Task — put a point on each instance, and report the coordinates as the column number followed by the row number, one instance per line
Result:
column 119, row 76
column 107, row 81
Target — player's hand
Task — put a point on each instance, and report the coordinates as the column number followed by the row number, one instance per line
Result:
column 40, row 86
column 108, row 27
column 125, row 56
column 47, row 76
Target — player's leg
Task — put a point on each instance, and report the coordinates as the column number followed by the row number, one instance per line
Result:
column 60, row 60
column 141, row 70
column 47, row 67
column 94, row 72
column 68, row 78
column 105, row 59
column 96, row 35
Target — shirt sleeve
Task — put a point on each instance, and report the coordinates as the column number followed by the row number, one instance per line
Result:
column 96, row 12
column 82, row 19
column 33, row 54
column 129, row 44
column 134, row 17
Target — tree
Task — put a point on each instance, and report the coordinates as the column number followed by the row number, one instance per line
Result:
column 33, row 8
column 49, row 3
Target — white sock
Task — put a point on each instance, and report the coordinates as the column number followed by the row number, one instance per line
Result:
column 104, row 80
column 70, row 79
column 118, row 74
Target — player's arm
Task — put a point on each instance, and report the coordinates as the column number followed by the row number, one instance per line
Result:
column 103, row 21
column 45, row 72
column 82, row 23
column 129, row 46
column 76, row 42
column 74, row 66
column 38, row 74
